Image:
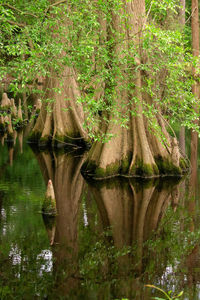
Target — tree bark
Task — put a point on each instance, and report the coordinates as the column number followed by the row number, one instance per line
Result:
column 182, row 23
column 195, row 87
column 61, row 118
column 134, row 151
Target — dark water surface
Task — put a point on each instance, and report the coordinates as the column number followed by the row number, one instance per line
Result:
column 108, row 240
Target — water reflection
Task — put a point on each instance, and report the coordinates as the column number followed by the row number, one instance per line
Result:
column 192, row 260
column 64, row 171
column 109, row 237
column 101, row 228
column 22, row 238
column 133, row 211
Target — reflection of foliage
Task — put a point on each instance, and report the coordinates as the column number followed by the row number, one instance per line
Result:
column 168, row 294
column 101, row 267
column 102, row 263
column 23, row 240
column 23, row 161
column 97, row 257
column 169, row 248
column 169, row 240
column 172, row 241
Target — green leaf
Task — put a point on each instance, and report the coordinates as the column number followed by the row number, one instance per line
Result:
column 180, row 294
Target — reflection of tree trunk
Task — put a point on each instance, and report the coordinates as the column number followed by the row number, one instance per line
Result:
column 1, row 202
column 20, row 139
column 193, row 257
column 68, row 184
column 11, row 151
column 64, row 171
column 132, row 212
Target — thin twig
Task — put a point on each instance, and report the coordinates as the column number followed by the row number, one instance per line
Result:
column 191, row 15
column 20, row 11
column 57, row 3
column 52, row 5
column 149, row 11
column 13, row 23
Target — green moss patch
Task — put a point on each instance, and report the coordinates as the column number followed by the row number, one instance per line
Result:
column 184, row 164
column 90, row 169
column 166, row 167
column 49, row 207
column 143, row 170
column 125, row 164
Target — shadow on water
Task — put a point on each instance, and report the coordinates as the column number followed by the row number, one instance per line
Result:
column 108, row 240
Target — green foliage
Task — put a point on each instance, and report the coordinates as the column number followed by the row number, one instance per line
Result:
column 29, row 51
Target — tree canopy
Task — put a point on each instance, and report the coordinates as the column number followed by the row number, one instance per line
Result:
column 99, row 47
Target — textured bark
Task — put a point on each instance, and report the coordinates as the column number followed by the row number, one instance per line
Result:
column 5, row 102
column 134, row 151
column 195, row 87
column 61, row 118
column 182, row 23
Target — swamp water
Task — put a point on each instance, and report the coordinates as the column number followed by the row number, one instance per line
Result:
column 109, row 239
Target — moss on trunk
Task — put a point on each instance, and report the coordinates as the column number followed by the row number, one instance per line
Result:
column 49, row 207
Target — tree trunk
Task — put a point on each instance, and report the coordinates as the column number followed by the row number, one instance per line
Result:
column 134, row 151
column 195, row 87
column 182, row 129
column 61, row 119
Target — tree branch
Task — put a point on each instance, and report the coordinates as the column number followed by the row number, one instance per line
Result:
column 57, row 3
column 191, row 15
column 20, row 11
column 52, row 5
column 14, row 23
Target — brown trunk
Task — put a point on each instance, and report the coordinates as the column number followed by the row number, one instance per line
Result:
column 61, row 118
column 182, row 23
column 195, row 87
column 134, row 151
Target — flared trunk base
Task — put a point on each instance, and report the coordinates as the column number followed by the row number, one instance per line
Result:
column 163, row 167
